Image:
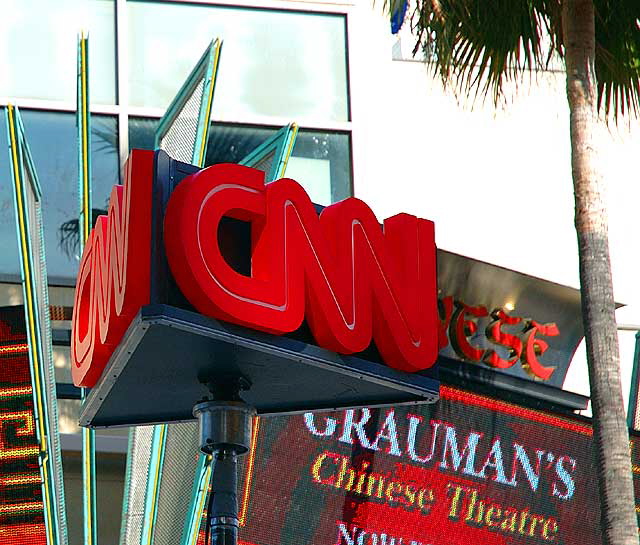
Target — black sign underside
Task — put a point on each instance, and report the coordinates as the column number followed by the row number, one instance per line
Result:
column 160, row 369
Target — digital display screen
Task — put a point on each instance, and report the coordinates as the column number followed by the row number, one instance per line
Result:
column 466, row 470
column 21, row 507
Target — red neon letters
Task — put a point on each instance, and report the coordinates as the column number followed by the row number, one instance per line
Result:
column 353, row 281
column 113, row 278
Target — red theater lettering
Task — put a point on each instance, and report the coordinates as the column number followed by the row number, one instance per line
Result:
column 460, row 322
column 351, row 280
column 463, row 325
column 496, row 335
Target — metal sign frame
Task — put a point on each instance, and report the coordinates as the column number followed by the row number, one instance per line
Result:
column 281, row 146
column 27, row 202
column 83, row 126
column 206, row 70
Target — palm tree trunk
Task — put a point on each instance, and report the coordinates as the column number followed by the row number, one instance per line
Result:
column 611, row 436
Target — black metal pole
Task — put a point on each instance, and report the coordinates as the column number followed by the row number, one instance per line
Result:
column 225, row 433
column 223, row 504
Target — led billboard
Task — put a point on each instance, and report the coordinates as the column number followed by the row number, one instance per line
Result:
column 21, row 507
column 468, row 469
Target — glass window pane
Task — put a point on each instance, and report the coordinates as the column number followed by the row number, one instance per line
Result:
column 68, row 415
column 10, row 256
column 62, row 364
column 278, row 63
column 51, row 136
column 10, row 295
column 321, row 161
column 38, row 44
column 141, row 132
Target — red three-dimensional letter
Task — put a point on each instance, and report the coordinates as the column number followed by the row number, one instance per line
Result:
column 535, row 347
column 113, row 278
column 511, row 342
column 462, row 326
column 351, row 279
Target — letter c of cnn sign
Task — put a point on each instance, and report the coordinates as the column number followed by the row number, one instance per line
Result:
column 352, row 281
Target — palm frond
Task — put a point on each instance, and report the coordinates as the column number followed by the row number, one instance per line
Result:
column 618, row 56
column 69, row 233
column 480, row 46
column 105, row 139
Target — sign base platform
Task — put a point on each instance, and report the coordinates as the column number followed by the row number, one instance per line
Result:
column 161, row 368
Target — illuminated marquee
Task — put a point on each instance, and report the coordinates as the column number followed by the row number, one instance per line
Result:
column 469, row 469
column 351, row 280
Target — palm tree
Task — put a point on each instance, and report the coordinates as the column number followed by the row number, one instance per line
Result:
column 477, row 46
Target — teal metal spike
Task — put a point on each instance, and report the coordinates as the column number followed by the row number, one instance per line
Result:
column 83, row 125
column 633, row 409
column 28, row 214
column 273, row 155
column 194, row 97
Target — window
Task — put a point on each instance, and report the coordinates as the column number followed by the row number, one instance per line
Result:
column 276, row 65
column 321, row 161
column 51, row 136
column 273, row 63
column 38, row 48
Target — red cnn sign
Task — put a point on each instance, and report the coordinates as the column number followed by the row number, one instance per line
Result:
column 114, row 273
column 352, row 281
